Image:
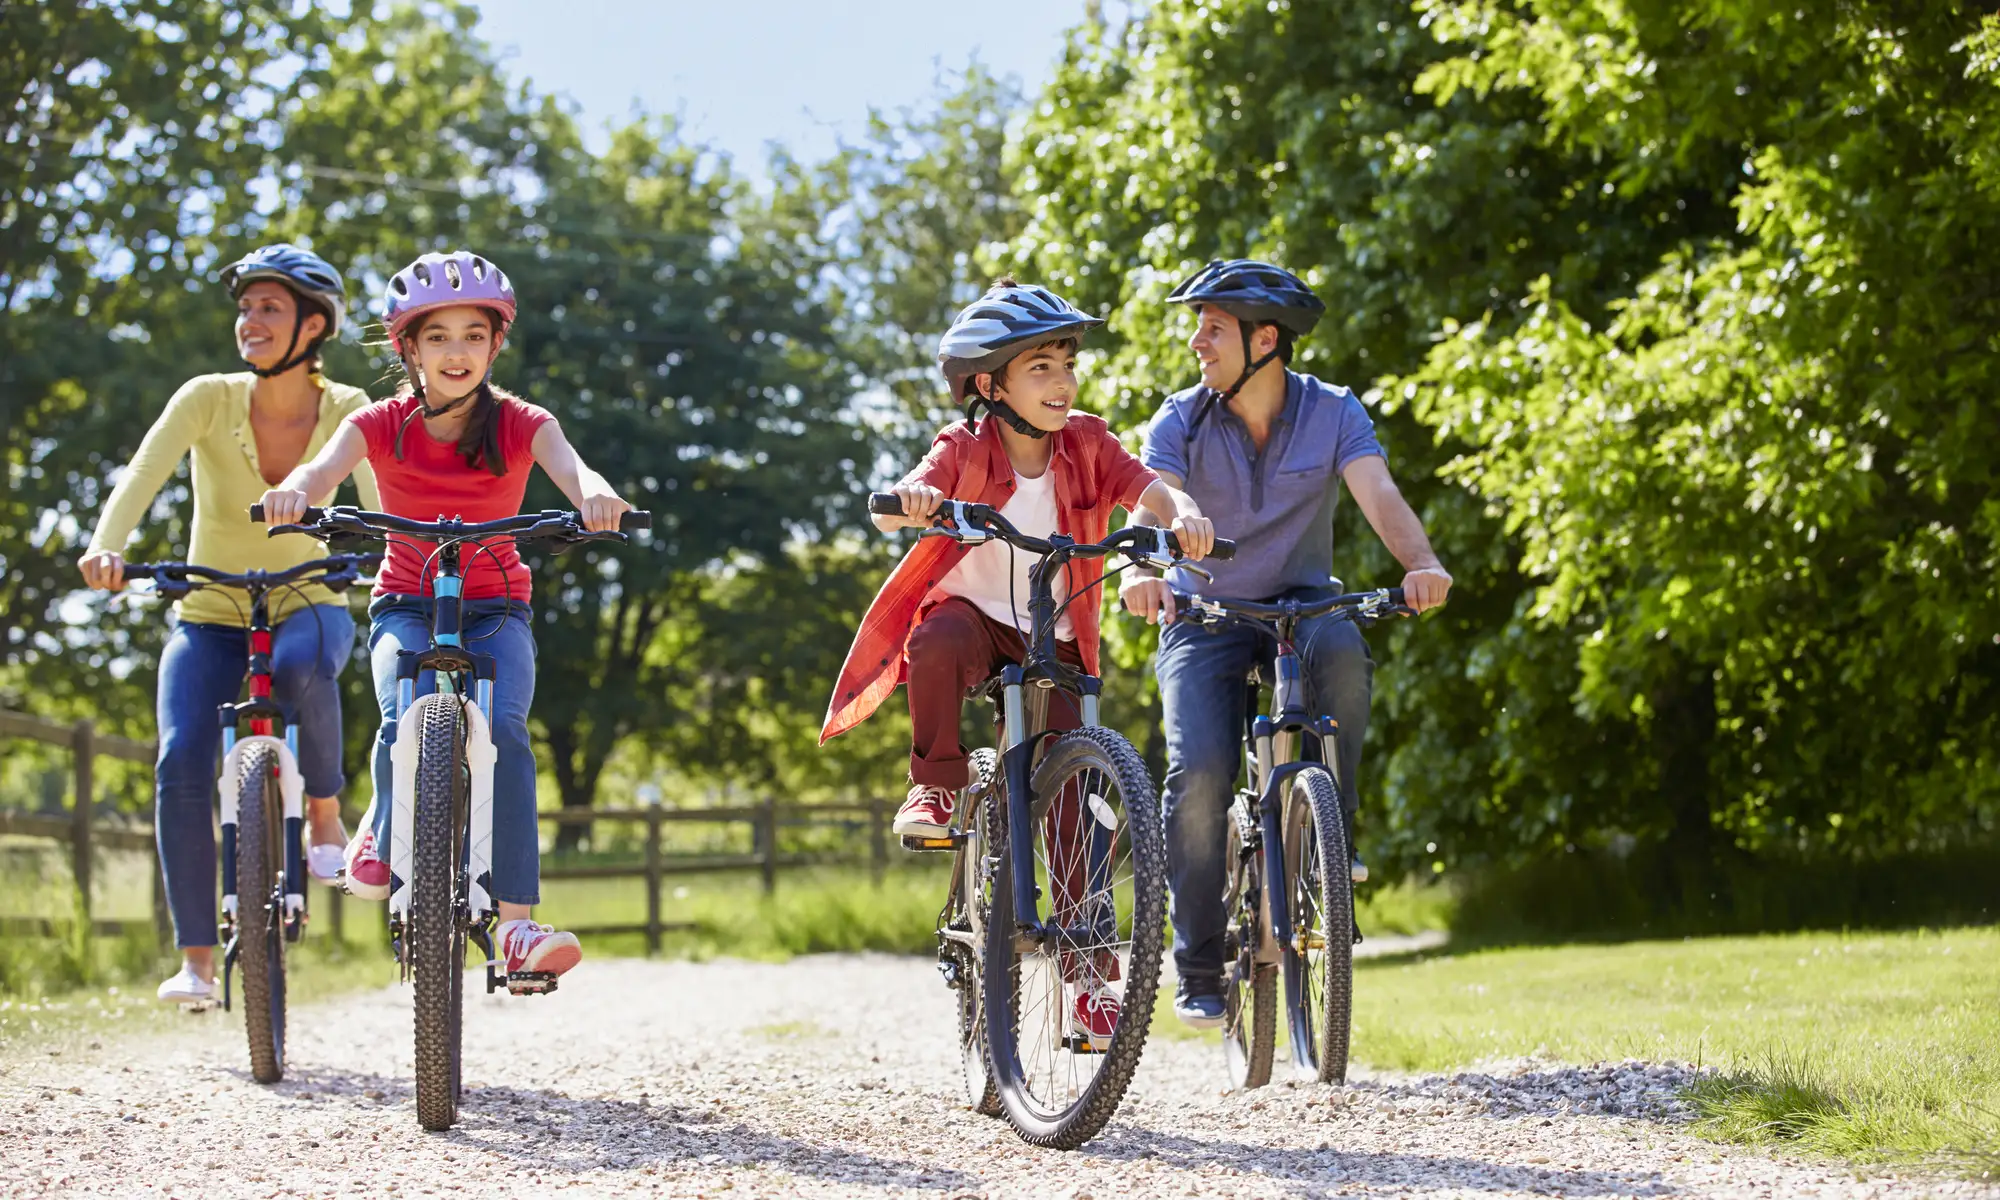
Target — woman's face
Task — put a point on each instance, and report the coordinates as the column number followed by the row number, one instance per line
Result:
column 454, row 348
column 265, row 315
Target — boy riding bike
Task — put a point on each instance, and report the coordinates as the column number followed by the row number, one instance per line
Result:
column 950, row 615
column 450, row 443
column 243, row 431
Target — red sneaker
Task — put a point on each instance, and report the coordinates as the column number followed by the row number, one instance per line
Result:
column 367, row 874
column 526, row 946
column 927, row 812
column 1093, row 1011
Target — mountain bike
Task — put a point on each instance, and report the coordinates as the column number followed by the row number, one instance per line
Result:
column 441, row 822
column 1288, row 895
column 1070, row 818
column 263, row 801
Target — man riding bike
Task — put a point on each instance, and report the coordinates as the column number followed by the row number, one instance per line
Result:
column 1263, row 450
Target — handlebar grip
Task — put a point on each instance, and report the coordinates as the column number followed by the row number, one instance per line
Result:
column 139, row 571
column 634, row 521
column 885, row 504
column 313, row 515
column 1224, row 549
column 1396, row 598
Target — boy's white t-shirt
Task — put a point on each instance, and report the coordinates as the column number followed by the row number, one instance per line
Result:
column 983, row 575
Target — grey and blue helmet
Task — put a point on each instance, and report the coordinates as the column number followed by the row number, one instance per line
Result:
column 1008, row 321
column 310, row 278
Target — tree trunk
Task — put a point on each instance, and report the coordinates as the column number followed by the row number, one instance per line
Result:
column 1683, row 737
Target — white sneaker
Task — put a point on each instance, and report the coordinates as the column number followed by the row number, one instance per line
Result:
column 325, row 861
column 187, row 988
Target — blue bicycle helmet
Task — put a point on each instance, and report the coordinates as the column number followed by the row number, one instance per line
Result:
column 311, row 279
column 1255, row 293
column 1008, row 321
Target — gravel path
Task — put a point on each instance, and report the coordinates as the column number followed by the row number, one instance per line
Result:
column 828, row 1076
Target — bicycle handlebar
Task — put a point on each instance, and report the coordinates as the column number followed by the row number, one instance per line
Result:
column 552, row 524
column 988, row 522
column 1381, row 602
column 338, row 572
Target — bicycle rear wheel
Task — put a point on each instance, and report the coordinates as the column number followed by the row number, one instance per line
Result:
column 1249, row 988
column 1100, row 862
column 970, row 903
column 1319, row 962
column 260, row 909
column 437, row 934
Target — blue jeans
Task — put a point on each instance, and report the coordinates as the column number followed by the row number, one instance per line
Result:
column 1202, row 672
column 201, row 669
column 495, row 627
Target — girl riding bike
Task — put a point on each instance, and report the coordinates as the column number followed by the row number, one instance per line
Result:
column 245, row 430
column 451, row 444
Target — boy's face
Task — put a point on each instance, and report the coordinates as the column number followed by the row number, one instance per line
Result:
column 1040, row 385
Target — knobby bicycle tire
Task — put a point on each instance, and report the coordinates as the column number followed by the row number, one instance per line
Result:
column 1100, row 749
column 1321, row 995
column 1249, row 989
column 260, row 909
column 976, row 802
column 437, row 936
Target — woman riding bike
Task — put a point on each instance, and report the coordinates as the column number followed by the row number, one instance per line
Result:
column 450, row 443
column 245, row 430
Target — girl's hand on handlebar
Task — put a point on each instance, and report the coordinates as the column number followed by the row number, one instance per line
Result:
column 283, row 507
column 1196, row 536
column 600, row 512
column 920, row 503
column 1152, row 599
column 103, row 570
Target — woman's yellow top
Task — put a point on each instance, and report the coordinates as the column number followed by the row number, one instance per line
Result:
column 210, row 416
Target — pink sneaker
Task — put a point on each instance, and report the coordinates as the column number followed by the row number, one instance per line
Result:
column 367, row 874
column 1093, row 1011
column 926, row 813
column 526, row 946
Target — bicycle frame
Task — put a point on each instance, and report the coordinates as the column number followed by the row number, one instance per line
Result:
column 448, row 657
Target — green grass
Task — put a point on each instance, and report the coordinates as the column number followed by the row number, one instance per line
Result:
column 1874, row 1047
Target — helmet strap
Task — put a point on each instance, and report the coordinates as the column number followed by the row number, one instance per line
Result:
column 1000, row 409
column 290, row 359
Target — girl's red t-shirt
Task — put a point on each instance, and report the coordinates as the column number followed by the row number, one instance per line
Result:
column 432, row 482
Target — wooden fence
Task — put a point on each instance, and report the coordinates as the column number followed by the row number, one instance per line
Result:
column 86, row 833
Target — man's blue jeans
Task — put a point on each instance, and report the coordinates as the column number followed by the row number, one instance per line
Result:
column 201, row 669
column 495, row 627
column 1202, row 672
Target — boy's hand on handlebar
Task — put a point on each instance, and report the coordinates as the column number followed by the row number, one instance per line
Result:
column 103, row 570
column 1426, row 588
column 920, row 502
column 600, row 512
column 1152, row 599
column 1196, row 536
column 282, row 507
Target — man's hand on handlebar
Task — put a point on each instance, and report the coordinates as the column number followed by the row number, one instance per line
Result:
column 1426, row 588
column 1152, row 599
column 282, row 507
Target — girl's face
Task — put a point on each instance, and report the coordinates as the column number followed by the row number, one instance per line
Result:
column 1041, row 385
column 454, row 348
column 265, row 315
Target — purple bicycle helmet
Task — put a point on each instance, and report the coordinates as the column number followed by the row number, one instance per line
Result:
column 441, row 281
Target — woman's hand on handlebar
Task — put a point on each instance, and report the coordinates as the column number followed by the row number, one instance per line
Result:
column 103, row 570
column 920, row 504
column 284, row 507
column 1152, row 599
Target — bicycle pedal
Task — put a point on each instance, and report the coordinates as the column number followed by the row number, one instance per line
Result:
column 1077, row 1044
column 932, row 845
column 531, row 983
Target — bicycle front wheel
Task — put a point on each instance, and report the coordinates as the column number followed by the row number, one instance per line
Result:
column 1249, row 988
column 437, row 934
column 1099, row 853
column 1319, row 961
column 260, row 909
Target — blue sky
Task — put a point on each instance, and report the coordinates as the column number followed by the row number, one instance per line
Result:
column 745, row 73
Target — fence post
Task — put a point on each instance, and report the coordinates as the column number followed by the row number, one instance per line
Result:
column 653, row 879
column 878, row 838
column 770, row 821
column 83, row 750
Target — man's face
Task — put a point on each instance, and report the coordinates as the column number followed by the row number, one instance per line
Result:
column 1218, row 345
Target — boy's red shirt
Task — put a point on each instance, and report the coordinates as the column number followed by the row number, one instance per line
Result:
column 1094, row 474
